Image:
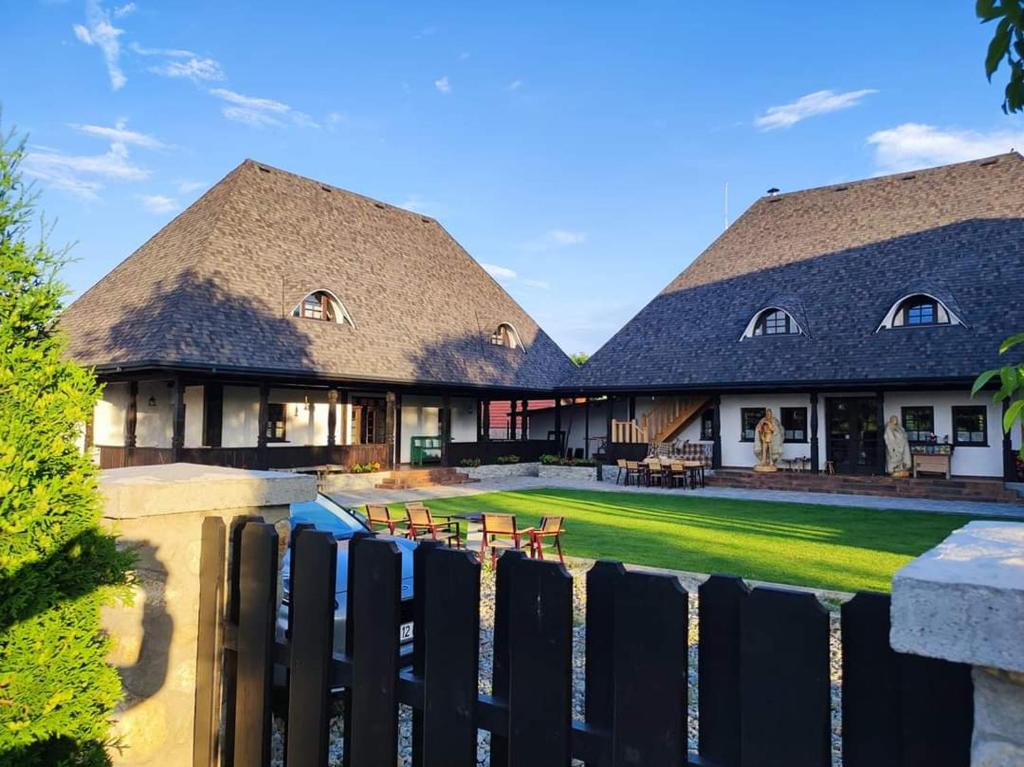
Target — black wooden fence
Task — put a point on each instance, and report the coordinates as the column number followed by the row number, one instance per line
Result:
column 763, row 670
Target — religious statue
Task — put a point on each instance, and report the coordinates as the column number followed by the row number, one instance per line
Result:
column 897, row 449
column 768, row 439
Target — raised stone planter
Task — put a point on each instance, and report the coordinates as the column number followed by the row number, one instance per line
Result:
column 340, row 482
column 501, row 470
column 963, row 601
column 579, row 473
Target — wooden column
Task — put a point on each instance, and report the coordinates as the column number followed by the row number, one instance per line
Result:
column 1009, row 469
column 131, row 414
column 558, row 426
column 332, row 416
column 390, row 427
column 609, row 408
column 213, row 414
column 345, row 426
column 716, row 425
column 261, row 425
column 632, row 408
column 487, row 421
column 525, row 429
column 512, row 419
column 815, row 447
column 178, row 428
column 586, row 427
column 446, row 427
column 880, row 446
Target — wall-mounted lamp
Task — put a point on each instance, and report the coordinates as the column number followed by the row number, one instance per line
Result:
column 152, row 401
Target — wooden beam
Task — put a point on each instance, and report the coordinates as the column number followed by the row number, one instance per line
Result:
column 390, row 427
column 609, row 413
column 213, row 414
column 524, row 431
column 446, row 427
column 332, row 416
column 346, row 428
column 513, row 405
column 716, row 421
column 1009, row 467
column 487, row 421
column 815, row 448
column 261, row 425
column 558, row 426
column 880, row 442
column 178, row 428
column 131, row 414
column 586, row 427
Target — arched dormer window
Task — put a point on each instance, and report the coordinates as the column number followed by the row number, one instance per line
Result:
column 772, row 321
column 506, row 335
column 918, row 310
column 322, row 305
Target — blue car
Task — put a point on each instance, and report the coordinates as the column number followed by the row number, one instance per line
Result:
column 325, row 514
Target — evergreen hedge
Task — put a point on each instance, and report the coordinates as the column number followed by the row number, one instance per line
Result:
column 57, row 568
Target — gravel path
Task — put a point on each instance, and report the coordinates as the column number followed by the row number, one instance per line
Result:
column 578, row 571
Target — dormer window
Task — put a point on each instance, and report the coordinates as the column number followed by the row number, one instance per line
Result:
column 772, row 321
column 322, row 305
column 918, row 310
column 506, row 336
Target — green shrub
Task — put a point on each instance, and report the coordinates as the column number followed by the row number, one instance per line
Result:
column 550, row 460
column 365, row 468
column 469, row 462
column 507, row 459
column 56, row 567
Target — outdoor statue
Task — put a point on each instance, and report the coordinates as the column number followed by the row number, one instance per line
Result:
column 897, row 449
column 768, row 439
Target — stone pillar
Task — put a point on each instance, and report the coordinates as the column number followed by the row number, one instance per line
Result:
column 158, row 512
column 963, row 601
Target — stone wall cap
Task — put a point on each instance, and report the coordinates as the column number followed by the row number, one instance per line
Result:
column 177, row 488
column 964, row 599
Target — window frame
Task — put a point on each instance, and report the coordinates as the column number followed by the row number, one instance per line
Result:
column 707, row 425
column 274, row 423
column 918, row 301
column 773, row 313
column 784, row 413
column 958, row 410
column 750, row 412
column 903, row 422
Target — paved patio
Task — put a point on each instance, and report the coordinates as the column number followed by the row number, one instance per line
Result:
column 358, row 498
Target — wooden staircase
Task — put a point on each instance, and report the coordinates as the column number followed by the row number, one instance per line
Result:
column 669, row 415
column 404, row 479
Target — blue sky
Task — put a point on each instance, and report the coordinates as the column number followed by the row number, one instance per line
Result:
column 579, row 150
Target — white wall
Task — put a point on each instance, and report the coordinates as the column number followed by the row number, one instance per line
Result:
column 967, row 461
column 573, row 424
column 735, row 452
column 241, row 416
column 109, row 416
column 464, row 419
column 155, row 422
column 420, row 418
column 194, row 416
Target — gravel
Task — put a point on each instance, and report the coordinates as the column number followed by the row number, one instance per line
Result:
column 578, row 571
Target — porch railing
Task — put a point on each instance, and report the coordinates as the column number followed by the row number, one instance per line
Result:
column 246, row 457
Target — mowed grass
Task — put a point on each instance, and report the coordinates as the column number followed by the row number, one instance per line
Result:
column 839, row 548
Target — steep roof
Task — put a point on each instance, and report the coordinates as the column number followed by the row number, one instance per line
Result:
column 216, row 287
column 837, row 258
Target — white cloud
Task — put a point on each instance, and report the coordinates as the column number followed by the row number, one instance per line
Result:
column 464, row 56
column 540, row 284
column 515, row 85
column 500, row 272
column 443, row 85
column 817, row 103
column 100, row 32
column 194, row 68
column 186, row 187
column 119, row 134
column 566, row 237
column 124, row 10
column 913, row 145
column 82, row 175
column 334, row 119
column 158, row 203
column 258, row 111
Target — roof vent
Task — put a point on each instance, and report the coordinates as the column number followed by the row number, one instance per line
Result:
column 989, row 161
column 908, row 177
column 325, row 188
column 425, row 220
column 840, row 189
column 263, row 168
column 773, row 191
column 379, row 205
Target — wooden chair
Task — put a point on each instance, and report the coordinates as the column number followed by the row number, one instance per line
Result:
column 677, row 474
column 549, row 528
column 422, row 524
column 634, row 472
column 379, row 516
column 621, row 464
column 500, row 531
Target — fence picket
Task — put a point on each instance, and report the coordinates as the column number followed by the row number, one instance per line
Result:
column 600, row 620
column 229, row 668
column 650, row 672
column 374, row 596
column 718, row 665
column 784, row 677
column 208, row 652
column 540, row 665
column 257, row 600
column 419, row 607
column 311, row 617
column 872, row 734
column 937, row 713
column 451, row 657
column 500, row 649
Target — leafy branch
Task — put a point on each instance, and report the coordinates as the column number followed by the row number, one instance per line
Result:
column 1007, row 45
column 1011, row 382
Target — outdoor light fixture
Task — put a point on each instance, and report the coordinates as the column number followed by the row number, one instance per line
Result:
column 152, row 401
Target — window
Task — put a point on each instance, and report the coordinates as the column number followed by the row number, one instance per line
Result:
column 324, row 306
column 918, row 310
column 970, row 426
column 919, row 423
column 275, row 422
column 772, row 321
column 506, row 336
column 794, row 424
column 749, row 416
column 707, row 424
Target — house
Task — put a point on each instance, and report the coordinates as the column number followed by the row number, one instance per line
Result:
column 837, row 307
column 283, row 322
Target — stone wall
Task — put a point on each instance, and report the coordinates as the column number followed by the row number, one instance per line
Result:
column 580, row 473
column 501, row 470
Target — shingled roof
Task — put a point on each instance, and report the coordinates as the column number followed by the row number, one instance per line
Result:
column 215, row 289
column 837, row 258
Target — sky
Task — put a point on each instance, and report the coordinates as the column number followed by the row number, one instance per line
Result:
column 583, row 152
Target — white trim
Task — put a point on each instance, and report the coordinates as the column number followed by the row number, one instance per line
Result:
column 748, row 331
column 890, row 316
column 340, row 312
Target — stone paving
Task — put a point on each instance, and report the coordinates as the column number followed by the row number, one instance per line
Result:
column 360, row 497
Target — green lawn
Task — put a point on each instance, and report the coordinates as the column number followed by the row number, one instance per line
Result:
column 846, row 549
